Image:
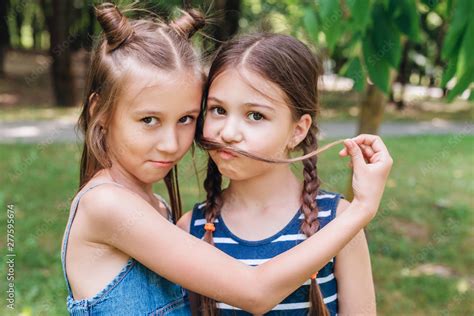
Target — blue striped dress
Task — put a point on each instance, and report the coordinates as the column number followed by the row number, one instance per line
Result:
column 257, row 252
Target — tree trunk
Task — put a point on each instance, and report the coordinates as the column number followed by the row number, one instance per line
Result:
column 4, row 35
column 90, row 28
column 371, row 112
column 58, row 18
column 19, row 23
column 403, row 74
column 230, row 23
column 227, row 21
column 36, row 29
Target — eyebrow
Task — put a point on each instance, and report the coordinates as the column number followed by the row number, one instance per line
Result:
column 248, row 104
column 158, row 113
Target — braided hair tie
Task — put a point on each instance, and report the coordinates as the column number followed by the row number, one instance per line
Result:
column 209, row 227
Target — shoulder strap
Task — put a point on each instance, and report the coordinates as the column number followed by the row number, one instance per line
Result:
column 72, row 215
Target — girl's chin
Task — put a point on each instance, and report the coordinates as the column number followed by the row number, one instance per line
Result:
column 234, row 174
column 154, row 177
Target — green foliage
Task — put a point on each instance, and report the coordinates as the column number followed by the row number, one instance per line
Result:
column 385, row 36
column 353, row 69
column 360, row 10
column 376, row 26
column 368, row 36
column 377, row 66
column 407, row 18
column 459, row 47
column 331, row 17
column 310, row 21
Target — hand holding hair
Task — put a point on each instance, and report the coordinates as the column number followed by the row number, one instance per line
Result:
column 371, row 163
column 370, row 159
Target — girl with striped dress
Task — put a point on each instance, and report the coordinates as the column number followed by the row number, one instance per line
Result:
column 262, row 103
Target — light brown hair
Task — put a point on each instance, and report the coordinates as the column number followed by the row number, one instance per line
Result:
column 290, row 64
column 148, row 42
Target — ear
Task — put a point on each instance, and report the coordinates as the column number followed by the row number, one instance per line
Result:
column 93, row 100
column 300, row 131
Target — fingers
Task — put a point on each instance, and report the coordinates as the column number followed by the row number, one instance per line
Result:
column 357, row 157
column 366, row 150
column 373, row 141
column 370, row 145
column 343, row 152
column 375, row 158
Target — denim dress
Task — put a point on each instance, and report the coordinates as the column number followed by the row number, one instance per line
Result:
column 136, row 290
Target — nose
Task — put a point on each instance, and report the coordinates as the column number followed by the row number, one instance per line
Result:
column 169, row 142
column 231, row 132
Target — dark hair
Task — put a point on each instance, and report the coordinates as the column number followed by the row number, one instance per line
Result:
column 164, row 46
column 290, row 64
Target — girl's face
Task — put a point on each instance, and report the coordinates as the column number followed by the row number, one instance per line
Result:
column 259, row 122
column 153, row 124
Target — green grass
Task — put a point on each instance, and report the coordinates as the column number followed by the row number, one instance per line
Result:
column 425, row 220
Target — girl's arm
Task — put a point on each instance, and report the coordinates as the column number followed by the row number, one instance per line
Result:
column 121, row 219
column 355, row 286
column 137, row 229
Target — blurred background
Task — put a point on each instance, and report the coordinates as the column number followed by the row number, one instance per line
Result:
column 398, row 68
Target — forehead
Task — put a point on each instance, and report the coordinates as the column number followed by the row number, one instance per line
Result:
column 243, row 84
column 161, row 91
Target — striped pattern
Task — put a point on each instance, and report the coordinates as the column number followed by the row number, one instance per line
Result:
column 254, row 253
column 321, row 214
column 281, row 307
column 202, row 221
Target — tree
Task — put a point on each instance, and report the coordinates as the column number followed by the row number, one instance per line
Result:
column 4, row 35
column 229, row 23
column 58, row 16
column 225, row 22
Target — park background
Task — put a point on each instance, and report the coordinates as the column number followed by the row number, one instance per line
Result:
column 398, row 68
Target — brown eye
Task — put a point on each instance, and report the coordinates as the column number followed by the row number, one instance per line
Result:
column 255, row 116
column 150, row 120
column 186, row 120
column 218, row 110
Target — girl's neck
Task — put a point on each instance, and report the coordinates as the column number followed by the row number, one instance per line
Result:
column 276, row 187
column 119, row 175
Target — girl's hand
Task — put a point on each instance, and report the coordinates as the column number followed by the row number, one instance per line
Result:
column 371, row 163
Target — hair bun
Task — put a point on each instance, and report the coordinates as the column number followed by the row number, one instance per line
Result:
column 115, row 25
column 189, row 23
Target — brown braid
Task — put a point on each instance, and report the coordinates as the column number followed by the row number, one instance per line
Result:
column 212, row 185
column 310, row 224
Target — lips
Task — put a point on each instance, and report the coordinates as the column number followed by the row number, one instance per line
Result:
column 225, row 154
column 162, row 163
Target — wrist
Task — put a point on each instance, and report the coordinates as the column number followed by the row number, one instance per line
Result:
column 366, row 210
